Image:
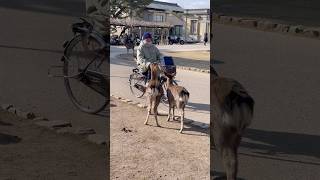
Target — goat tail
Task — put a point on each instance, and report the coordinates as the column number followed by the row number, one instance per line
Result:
column 155, row 91
column 184, row 96
column 241, row 115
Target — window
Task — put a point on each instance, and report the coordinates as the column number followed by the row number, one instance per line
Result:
column 193, row 27
column 158, row 18
column 178, row 30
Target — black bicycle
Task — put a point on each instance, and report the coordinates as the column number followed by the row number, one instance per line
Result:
column 84, row 68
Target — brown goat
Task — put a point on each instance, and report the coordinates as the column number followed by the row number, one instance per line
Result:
column 178, row 98
column 232, row 113
column 154, row 92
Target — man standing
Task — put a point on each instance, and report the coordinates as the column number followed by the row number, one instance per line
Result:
column 205, row 39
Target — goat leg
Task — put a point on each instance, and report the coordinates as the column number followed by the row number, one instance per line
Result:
column 155, row 110
column 181, row 120
column 169, row 113
column 149, row 111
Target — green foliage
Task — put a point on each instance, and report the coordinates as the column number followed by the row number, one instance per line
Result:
column 127, row 8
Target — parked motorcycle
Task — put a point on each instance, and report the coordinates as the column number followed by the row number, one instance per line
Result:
column 176, row 40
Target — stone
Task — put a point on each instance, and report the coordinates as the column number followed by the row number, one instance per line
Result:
column 141, row 106
column 296, row 29
column 97, row 139
column 266, row 25
column 53, row 124
column 12, row 110
column 40, row 119
column 311, row 33
column 25, row 115
column 6, row 106
column 249, row 23
column 282, row 28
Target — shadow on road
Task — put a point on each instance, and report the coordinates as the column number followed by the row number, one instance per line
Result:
column 198, row 106
column 60, row 7
column 190, row 129
column 282, row 143
column 220, row 176
column 8, row 139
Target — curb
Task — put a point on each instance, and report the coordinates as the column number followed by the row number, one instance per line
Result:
column 60, row 127
column 268, row 25
column 143, row 106
column 193, row 69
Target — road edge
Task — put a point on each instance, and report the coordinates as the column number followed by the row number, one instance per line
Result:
column 267, row 25
column 58, row 126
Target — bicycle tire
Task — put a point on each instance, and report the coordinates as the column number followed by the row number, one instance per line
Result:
column 77, row 39
column 132, row 88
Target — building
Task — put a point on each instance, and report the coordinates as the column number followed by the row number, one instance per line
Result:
column 165, row 19
column 197, row 23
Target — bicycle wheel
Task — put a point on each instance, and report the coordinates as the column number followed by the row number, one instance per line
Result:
column 137, row 85
column 84, row 53
column 164, row 98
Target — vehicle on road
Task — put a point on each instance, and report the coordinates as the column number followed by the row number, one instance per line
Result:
column 84, row 68
column 176, row 40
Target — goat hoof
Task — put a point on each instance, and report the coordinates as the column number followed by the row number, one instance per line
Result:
column 180, row 131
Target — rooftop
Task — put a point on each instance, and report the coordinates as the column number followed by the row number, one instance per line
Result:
column 165, row 6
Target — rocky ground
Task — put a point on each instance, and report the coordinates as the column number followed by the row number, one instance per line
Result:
column 30, row 152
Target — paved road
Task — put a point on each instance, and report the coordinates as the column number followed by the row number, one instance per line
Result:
column 197, row 83
column 31, row 42
column 282, row 74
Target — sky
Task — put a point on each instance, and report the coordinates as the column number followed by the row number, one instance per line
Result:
column 190, row 4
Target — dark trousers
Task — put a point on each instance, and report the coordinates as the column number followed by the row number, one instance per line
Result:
column 147, row 76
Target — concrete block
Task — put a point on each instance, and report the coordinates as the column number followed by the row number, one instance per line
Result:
column 25, row 115
column 6, row 106
column 54, row 124
column 249, row 23
column 266, row 25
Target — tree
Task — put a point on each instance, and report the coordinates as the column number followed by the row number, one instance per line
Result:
column 127, row 8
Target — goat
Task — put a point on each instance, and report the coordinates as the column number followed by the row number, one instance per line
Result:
column 178, row 98
column 154, row 92
column 232, row 109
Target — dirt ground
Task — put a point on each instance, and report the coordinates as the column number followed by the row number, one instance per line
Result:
column 29, row 152
column 141, row 151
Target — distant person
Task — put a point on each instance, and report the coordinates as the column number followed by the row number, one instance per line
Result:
column 205, row 39
column 147, row 53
